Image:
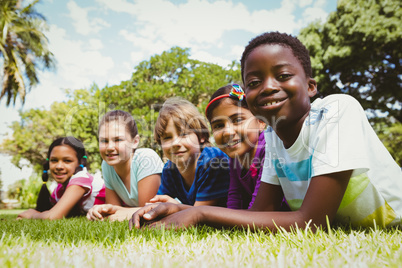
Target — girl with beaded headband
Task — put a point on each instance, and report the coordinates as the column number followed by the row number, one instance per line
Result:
column 239, row 134
column 77, row 190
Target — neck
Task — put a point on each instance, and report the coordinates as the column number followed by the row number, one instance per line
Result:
column 247, row 159
column 288, row 133
column 123, row 169
column 187, row 171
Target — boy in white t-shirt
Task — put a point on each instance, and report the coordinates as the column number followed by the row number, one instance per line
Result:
column 323, row 157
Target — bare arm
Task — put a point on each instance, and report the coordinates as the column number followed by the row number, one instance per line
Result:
column 147, row 188
column 213, row 202
column 71, row 196
column 113, row 203
column 322, row 199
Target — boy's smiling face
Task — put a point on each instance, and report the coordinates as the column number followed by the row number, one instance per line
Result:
column 276, row 86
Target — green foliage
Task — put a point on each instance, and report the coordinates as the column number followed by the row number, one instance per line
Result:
column 172, row 73
column 23, row 48
column 25, row 191
column 357, row 51
column 1, row 183
column 391, row 137
column 38, row 128
column 112, row 244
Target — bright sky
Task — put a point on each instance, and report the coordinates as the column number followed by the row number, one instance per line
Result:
column 101, row 41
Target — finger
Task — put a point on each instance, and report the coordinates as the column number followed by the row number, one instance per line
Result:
column 159, row 211
column 135, row 220
column 110, row 209
column 96, row 214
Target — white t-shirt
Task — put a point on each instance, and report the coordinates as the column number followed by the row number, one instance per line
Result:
column 336, row 136
column 145, row 162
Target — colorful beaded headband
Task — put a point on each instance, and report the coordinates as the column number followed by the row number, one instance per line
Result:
column 236, row 92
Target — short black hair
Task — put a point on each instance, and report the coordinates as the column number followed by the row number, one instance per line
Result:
column 282, row 39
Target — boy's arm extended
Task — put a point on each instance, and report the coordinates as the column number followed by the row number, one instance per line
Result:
column 322, row 199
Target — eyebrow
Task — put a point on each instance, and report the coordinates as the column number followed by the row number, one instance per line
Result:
column 221, row 118
column 276, row 66
column 104, row 137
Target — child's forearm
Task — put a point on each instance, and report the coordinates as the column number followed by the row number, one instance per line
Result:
column 223, row 217
column 45, row 215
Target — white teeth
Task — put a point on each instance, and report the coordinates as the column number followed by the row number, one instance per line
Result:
column 271, row 103
column 233, row 143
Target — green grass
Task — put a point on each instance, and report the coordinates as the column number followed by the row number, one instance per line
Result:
column 81, row 243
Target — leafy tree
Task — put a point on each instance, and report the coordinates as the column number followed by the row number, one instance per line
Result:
column 172, row 73
column 23, row 48
column 38, row 128
column 391, row 136
column 1, row 188
column 358, row 52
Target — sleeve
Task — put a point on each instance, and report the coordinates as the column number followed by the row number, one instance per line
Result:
column 339, row 141
column 167, row 184
column 82, row 179
column 149, row 163
column 257, row 186
column 268, row 171
column 213, row 178
column 106, row 174
column 234, row 193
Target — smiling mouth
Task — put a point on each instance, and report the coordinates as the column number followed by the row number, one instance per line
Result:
column 59, row 174
column 272, row 103
column 233, row 143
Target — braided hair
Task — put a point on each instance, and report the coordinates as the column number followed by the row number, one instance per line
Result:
column 43, row 201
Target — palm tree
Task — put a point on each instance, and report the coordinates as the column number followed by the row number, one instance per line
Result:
column 23, row 48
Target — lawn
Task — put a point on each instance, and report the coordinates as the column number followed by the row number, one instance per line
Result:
column 81, row 243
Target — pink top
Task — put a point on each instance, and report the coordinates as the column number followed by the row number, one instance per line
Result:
column 94, row 196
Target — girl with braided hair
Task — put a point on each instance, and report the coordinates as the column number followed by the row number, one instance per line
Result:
column 77, row 190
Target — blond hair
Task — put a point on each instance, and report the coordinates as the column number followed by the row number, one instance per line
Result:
column 185, row 116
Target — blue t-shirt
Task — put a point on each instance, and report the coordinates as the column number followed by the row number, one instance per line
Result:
column 211, row 178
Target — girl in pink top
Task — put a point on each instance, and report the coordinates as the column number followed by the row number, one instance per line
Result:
column 77, row 190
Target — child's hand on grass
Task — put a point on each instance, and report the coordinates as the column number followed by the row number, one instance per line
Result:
column 123, row 214
column 162, row 199
column 151, row 214
column 27, row 214
column 99, row 212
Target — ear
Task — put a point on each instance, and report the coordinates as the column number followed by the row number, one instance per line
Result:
column 261, row 125
column 136, row 141
column 202, row 140
column 312, row 87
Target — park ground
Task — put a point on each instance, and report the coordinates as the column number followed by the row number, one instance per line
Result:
column 80, row 243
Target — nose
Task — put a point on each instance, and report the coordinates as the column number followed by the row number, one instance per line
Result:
column 110, row 145
column 228, row 130
column 176, row 141
column 270, row 85
column 59, row 165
